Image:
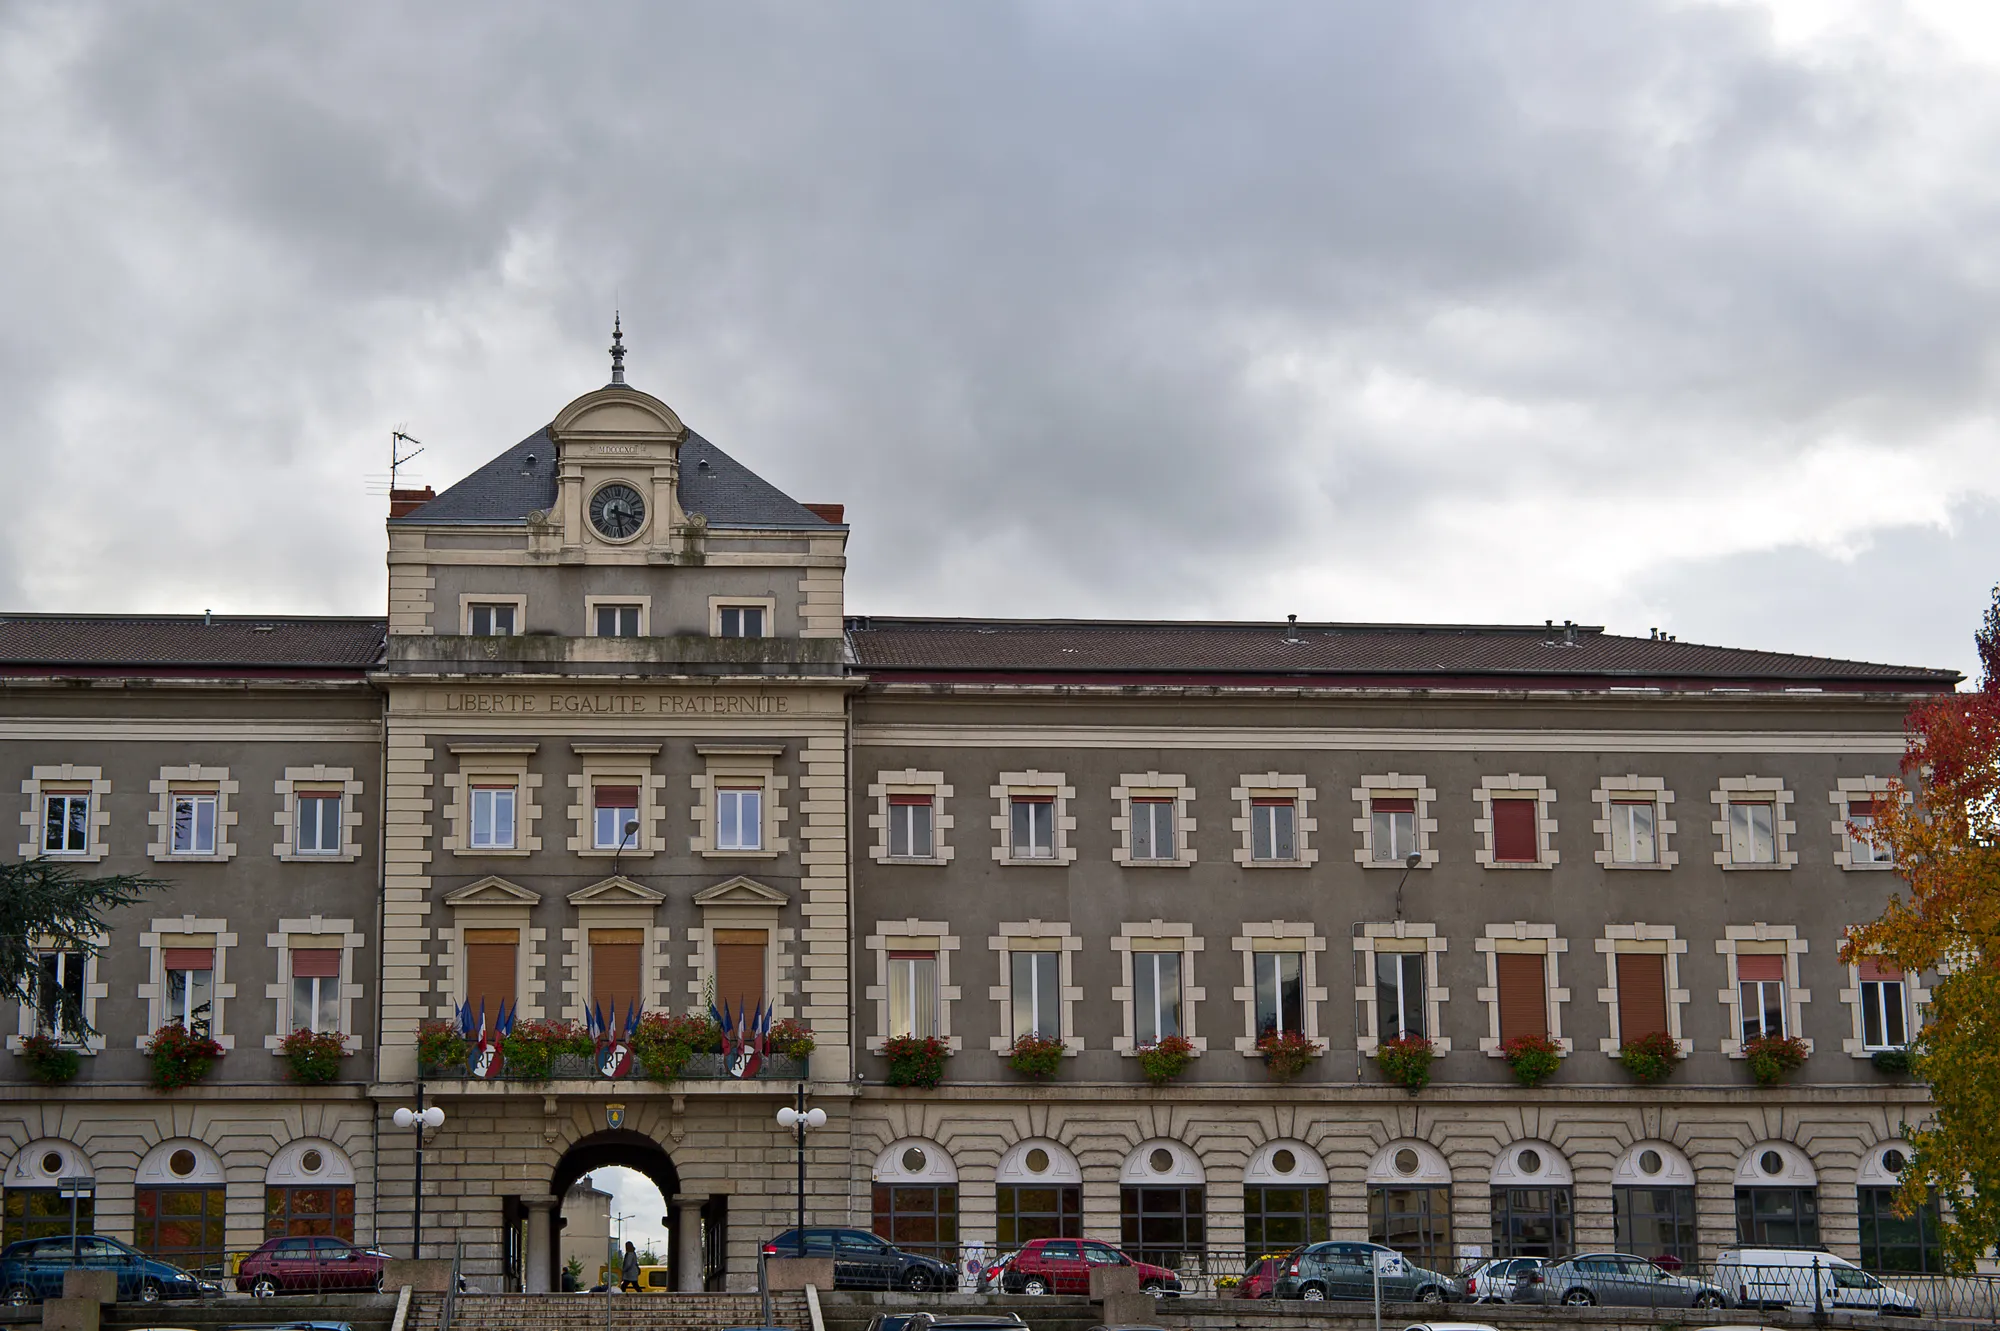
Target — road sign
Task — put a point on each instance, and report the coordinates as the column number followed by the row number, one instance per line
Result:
column 76, row 1185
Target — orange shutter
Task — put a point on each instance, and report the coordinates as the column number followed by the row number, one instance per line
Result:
column 739, row 968
column 489, row 969
column 1642, row 995
column 1524, row 1003
column 615, row 971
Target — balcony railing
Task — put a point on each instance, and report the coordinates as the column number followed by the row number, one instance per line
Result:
column 580, row 1067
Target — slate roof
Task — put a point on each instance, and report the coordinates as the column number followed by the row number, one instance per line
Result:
column 1391, row 654
column 222, row 642
column 510, row 487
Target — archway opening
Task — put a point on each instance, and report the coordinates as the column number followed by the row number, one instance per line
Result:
column 617, row 1185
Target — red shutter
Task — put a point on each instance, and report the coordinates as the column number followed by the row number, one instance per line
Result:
column 190, row 958
column 901, row 800
column 308, row 962
column 616, row 963
column 617, row 797
column 1524, row 1002
column 1874, row 968
column 1515, row 839
column 1642, row 994
column 1392, row 805
column 1760, row 966
column 1275, row 802
column 1860, row 806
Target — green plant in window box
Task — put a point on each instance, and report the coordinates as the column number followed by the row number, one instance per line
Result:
column 1651, row 1058
column 1772, row 1057
column 665, row 1041
column 1167, row 1059
column 181, row 1057
column 441, row 1046
column 313, row 1059
column 1895, row 1062
column 792, row 1038
column 1287, row 1053
column 1534, row 1058
column 1036, row 1056
column 48, row 1062
column 915, row 1060
column 532, row 1047
column 1406, row 1061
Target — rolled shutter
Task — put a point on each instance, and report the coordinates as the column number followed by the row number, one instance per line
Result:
column 739, row 967
column 1874, row 968
column 320, row 962
column 190, row 958
column 1524, row 1002
column 1760, row 966
column 1515, row 837
column 616, row 961
column 489, row 969
column 617, row 797
column 1642, row 995
column 1392, row 804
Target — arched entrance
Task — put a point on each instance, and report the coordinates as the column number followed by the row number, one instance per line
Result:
column 623, row 1148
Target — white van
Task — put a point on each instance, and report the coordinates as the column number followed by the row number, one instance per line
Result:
column 1805, row 1278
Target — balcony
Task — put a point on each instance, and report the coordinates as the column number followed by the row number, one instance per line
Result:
column 581, row 1067
column 554, row 654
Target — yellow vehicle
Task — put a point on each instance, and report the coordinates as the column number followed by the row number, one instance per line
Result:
column 652, row 1279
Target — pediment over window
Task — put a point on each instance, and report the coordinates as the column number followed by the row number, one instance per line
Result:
column 617, row 890
column 492, row 891
column 740, row 891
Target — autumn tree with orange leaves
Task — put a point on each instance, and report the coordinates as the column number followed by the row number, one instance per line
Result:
column 1946, row 843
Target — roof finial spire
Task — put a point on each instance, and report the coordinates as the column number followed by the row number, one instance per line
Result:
column 617, row 350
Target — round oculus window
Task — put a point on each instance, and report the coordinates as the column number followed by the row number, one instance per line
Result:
column 1407, row 1161
column 1283, row 1161
column 1650, row 1162
column 1894, row 1160
column 312, row 1162
column 52, row 1163
column 914, row 1160
column 617, row 511
column 181, row 1163
column 1161, row 1161
column 1037, row 1160
column 1771, row 1163
column 1529, row 1161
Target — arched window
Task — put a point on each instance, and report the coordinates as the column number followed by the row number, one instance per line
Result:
column 1038, row 1194
column 1652, row 1204
column 916, row 1199
column 177, row 1204
column 35, row 1207
column 1890, row 1242
column 1533, row 1208
column 1409, row 1203
column 1777, row 1198
column 1284, row 1198
column 309, row 1190
column 1163, row 1205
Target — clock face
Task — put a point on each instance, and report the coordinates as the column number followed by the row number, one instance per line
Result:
column 617, row 511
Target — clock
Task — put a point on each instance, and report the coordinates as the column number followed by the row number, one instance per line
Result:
column 617, row 511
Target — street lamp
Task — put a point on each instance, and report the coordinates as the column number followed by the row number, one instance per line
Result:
column 419, row 1118
column 624, row 839
column 798, row 1120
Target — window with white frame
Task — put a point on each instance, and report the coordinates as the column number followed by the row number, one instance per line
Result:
column 1633, row 838
column 492, row 619
column 1857, row 805
column 1152, row 828
column 1274, row 823
column 739, row 621
column 66, row 820
column 614, row 815
column 493, row 807
column 1516, row 825
column 1752, row 825
column 319, row 821
column 1753, row 835
column 59, row 985
column 194, row 822
column 1885, row 1006
column 1031, row 827
column 1152, row 817
column 1397, row 986
column 913, row 994
column 1862, row 852
column 1037, row 992
column 1273, row 828
column 1393, row 823
column 740, row 810
column 616, row 620
column 1400, row 1004
column 1760, row 988
column 1032, row 823
column 1279, row 981
column 189, row 997
column 1156, row 991
column 315, row 997
column 739, row 817
column 912, row 832
column 1633, row 823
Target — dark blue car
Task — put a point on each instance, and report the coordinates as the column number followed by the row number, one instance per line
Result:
column 32, row 1270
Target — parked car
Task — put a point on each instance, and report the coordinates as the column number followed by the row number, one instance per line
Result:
column 32, row 1270
column 1616, row 1279
column 1492, row 1281
column 865, row 1261
column 1260, row 1277
column 1347, row 1271
column 1063, row 1266
column 990, row 1274
column 1806, row 1278
column 308, row 1265
column 927, row 1321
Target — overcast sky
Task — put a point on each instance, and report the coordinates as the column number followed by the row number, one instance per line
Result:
column 1635, row 314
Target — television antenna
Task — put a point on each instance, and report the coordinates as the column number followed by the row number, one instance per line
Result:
column 397, row 457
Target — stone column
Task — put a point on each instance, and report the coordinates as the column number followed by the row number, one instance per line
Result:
column 687, row 1241
column 538, row 1272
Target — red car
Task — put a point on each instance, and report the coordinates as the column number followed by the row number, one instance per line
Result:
column 308, row 1265
column 1260, row 1278
column 1063, row 1266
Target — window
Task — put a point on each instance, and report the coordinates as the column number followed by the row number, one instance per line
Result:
column 616, row 825
column 320, row 824
column 1516, row 839
column 1533, row 1222
column 1522, row 979
column 1156, row 996
column 1026, row 1212
column 1655, row 1222
column 1760, row 983
column 1273, row 829
column 1777, row 1217
column 1632, row 840
column 1153, row 829
column 190, row 988
column 739, row 818
column 1280, row 1219
column 739, row 967
column 58, row 985
column 740, row 621
column 920, row 1218
column 617, row 972
column 1037, row 994
column 1164, row 1226
column 490, row 620
column 194, row 824
column 490, row 970
column 1280, row 992
column 1393, row 828
column 1883, row 1005
column 1752, row 832
column 1399, row 995
column 1890, row 1242
column 619, row 621
column 316, row 990
column 180, row 1225
column 493, row 817
column 1861, row 852
column 309, row 1211
column 66, row 823
column 913, row 994
column 1416, row 1222
column 1033, row 827
column 1642, row 995
column 910, row 822
column 43, row 1213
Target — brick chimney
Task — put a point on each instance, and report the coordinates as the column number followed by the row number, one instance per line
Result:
column 403, row 502
column 830, row 512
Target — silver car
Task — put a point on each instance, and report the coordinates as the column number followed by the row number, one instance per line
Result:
column 1614, row 1279
column 1492, row 1281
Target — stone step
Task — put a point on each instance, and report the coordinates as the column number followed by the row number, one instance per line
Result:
column 584, row 1312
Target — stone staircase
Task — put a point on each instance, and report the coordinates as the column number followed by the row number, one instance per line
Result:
column 587, row 1312
column 1053, row 1312
column 365, row 1312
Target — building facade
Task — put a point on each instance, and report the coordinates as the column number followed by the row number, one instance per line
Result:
column 618, row 748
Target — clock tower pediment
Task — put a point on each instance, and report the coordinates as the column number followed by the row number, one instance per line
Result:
column 618, row 474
